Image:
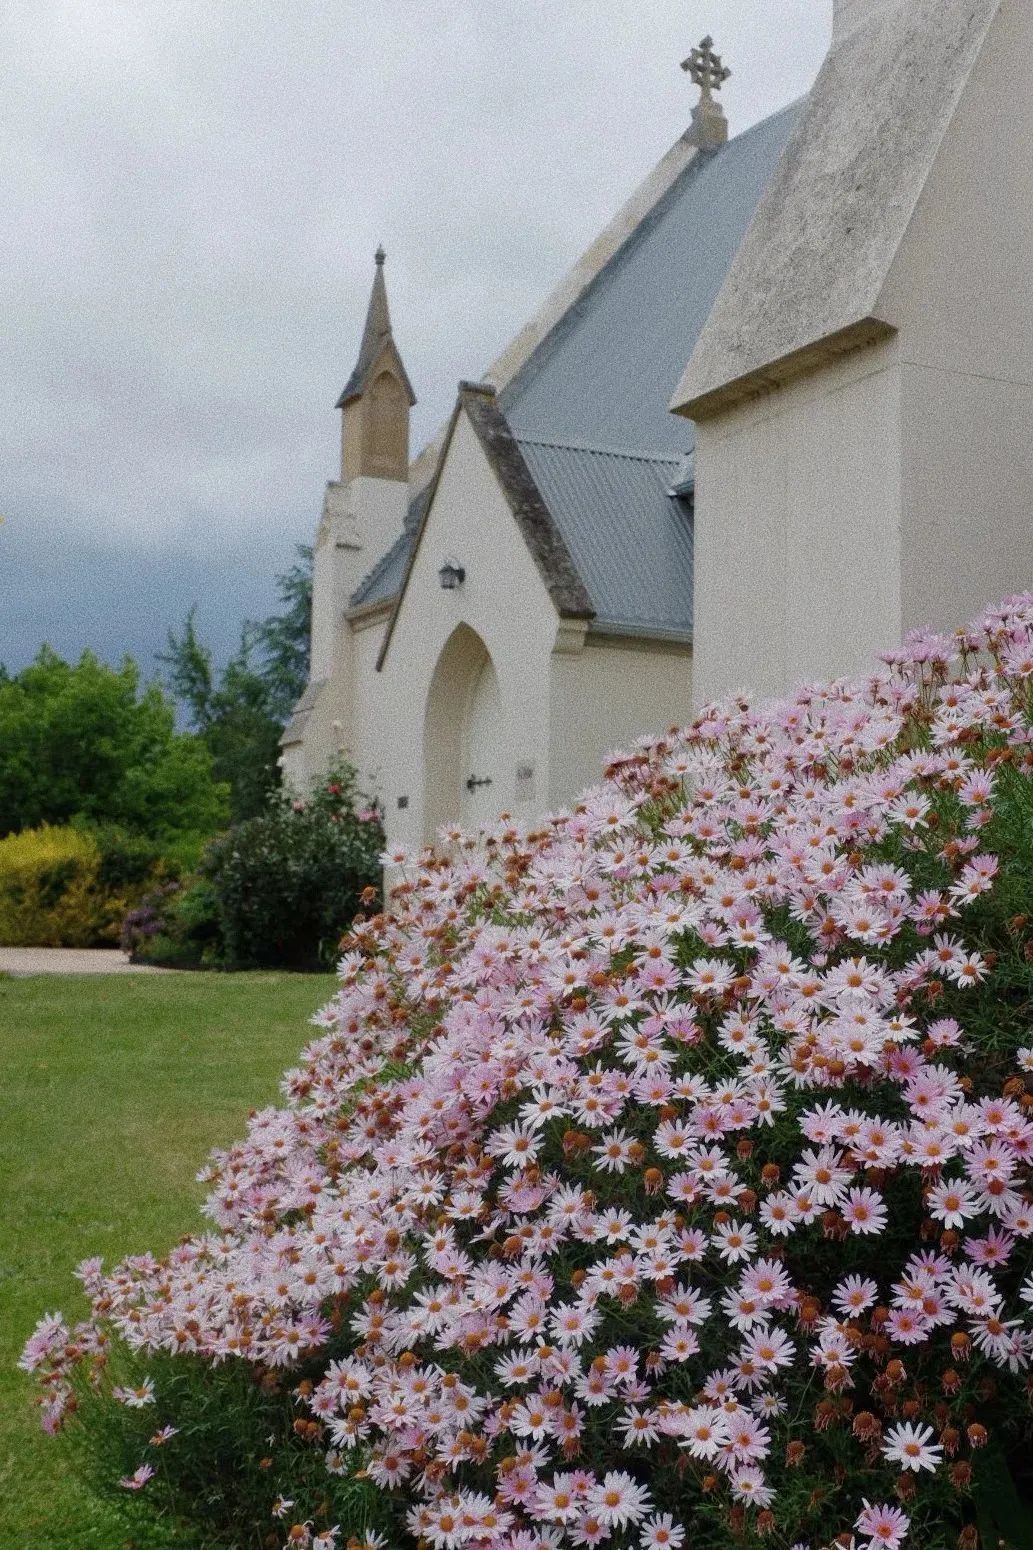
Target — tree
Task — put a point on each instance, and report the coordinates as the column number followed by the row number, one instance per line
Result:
column 284, row 638
column 85, row 742
column 241, row 712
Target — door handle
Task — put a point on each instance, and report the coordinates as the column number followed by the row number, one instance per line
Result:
column 473, row 782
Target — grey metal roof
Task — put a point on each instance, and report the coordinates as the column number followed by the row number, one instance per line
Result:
column 385, row 578
column 605, row 375
column 600, row 384
column 381, row 584
column 629, row 538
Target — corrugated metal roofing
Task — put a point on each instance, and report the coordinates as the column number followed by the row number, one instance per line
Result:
column 601, row 382
column 629, row 538
column 605, row 375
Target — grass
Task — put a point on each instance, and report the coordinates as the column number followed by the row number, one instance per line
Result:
column 114, row 1089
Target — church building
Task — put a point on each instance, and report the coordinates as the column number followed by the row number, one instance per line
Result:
column 778, row 413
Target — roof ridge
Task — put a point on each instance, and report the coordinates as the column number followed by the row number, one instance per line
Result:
column 694, row 167
column 673, row 460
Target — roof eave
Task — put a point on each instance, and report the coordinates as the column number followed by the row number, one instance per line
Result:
column 616, row 629
column 696, row 400
column 359, row 613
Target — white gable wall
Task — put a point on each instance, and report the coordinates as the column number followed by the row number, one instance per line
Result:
column 892, row 488
column 504, row 601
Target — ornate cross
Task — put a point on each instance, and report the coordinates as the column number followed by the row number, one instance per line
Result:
column 706, row 69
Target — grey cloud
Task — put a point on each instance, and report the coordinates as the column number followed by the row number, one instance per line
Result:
column 193, row 190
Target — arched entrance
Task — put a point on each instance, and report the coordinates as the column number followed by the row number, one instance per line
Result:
column 463, row 737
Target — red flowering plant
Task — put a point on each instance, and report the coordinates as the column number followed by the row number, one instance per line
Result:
column 661, row 1177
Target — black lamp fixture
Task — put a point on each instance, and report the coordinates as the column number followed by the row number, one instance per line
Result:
column 451, row 575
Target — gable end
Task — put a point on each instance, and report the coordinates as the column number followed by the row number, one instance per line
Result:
column 538, row 530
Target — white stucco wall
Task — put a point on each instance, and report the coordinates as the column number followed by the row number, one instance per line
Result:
column 961, row 292
column 798, row 530
column 368, row 745
column 359, row 523
column 604, row 697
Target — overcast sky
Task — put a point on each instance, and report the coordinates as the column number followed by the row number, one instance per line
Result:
column 192, row 190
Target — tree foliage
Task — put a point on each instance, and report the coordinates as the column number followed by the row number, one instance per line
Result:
column 240, row 712
column 84, row 742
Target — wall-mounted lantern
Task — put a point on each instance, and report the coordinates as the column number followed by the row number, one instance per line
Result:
column 451, row 575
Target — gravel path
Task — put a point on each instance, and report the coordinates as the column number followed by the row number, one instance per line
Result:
column 25, row 961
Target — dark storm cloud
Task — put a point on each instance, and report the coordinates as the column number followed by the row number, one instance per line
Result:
column 193, row 189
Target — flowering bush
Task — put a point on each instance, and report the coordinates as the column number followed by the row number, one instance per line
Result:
column 288, row 883
column 177, row 925
column 661, row 1177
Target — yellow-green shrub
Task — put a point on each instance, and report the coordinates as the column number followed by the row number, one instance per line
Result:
column 51, row 894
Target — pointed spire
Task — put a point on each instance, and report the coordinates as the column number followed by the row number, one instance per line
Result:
column 375, row 336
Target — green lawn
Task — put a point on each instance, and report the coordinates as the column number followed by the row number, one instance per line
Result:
column 113, row 1091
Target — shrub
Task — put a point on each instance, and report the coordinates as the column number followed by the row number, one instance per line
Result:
column 71, row 887
column 175, row 926
column 51, row 892
column 669, row 1167
column 289, row 883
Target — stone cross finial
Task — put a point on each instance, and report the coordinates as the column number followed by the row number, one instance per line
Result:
column 706, row 68
column 709, row 72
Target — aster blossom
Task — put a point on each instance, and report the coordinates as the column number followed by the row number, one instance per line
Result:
column 642, row 1157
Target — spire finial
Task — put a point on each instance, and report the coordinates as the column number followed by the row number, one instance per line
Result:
column 709, row 72
column 376, row 337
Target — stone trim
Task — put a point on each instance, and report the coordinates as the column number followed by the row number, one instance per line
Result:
column 817, row 256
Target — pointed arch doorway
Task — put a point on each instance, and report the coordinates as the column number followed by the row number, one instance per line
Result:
column 463, row 737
